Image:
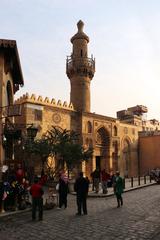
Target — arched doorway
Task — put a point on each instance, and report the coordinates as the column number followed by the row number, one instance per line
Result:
column 115, row 156
column 102, row 148
column 126, row 156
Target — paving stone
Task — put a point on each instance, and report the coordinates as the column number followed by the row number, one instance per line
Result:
column 138, row 219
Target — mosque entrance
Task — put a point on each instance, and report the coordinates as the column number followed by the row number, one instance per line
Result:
column 102, row 148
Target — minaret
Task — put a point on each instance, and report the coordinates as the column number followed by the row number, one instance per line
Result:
column 80, row 70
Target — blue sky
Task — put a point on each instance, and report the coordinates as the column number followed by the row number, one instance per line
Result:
column 124, row 38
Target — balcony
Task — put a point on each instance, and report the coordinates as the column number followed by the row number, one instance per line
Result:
column 82, row 66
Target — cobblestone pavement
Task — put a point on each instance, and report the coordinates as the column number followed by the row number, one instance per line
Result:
column 139, row 219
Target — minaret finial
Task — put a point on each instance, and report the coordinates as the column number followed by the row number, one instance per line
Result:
column 80, row 26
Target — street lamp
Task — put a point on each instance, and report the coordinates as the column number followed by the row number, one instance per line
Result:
column 32, row 132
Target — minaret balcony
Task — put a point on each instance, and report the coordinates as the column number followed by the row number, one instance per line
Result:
column 83, row 66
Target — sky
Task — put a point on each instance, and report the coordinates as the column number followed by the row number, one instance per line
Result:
column 124, row 39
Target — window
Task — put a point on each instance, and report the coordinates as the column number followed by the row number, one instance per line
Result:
column 37, row 115
column 89, row 127
column 115, row 131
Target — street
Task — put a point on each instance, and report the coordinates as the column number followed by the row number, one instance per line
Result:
column 139, row 219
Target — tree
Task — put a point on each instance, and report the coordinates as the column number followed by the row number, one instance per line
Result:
column 63, row 145
column 39, row 147
column 67, row 147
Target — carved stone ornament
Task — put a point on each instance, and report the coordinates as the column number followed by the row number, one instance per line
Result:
column 56, row 118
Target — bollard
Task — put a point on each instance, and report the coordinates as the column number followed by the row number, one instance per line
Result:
column 131, row 181
column 2, row 207
column 139, row 181
column 150, row 178
column 93, row 185
column 144, row 179
column 124, row 183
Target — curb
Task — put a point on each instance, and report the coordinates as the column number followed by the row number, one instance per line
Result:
column 101, row 195
column 7, row 214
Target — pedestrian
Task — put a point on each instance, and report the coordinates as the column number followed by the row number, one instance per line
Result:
column 104, row 179
column 118, row 189
column 63, row 190
column 92, row 177
column 37, row 192
column 81, row 188
column 96, row 176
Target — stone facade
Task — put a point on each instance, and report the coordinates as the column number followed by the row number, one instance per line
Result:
column 10, row 80
column 149, row 151
column 114, row 140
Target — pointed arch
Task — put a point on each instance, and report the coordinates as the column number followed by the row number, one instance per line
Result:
column 102, row 137
column 126, row 151
column 115, row 131
column 102, row 148
column 89, row 127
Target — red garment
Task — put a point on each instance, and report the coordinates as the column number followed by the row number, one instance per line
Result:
column 36, row 190
column 43, row 180
column 19, row 175
column 104, row 176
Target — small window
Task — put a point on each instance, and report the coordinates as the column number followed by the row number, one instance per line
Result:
column 89, row 127
column 37, row 115
column 81, row 53
column 115, row 131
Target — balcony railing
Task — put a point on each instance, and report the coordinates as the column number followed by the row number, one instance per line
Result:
column 80, row 62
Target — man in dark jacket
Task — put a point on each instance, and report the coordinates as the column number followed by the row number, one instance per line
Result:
column 37, row 201
column 81, row 188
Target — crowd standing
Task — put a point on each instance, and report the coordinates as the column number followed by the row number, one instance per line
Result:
column 15, row 189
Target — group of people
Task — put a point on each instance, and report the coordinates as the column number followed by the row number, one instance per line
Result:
column 106, row 179
column 81, row 187
column 13, row 189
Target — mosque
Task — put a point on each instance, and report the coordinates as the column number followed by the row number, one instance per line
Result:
column 115, row 141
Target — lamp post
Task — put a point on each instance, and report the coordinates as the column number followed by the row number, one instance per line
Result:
column 13, row 138
column 32, row 132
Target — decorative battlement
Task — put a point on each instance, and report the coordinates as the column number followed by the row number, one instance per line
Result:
column 26, row 98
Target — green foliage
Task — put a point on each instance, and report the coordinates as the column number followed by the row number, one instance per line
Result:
column 40, row 147
column 64, row 144
column 67, row 146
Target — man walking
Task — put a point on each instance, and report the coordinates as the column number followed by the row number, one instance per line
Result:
column 118, row 189
column 81, row 188
column 37, row 201
column 96, row 176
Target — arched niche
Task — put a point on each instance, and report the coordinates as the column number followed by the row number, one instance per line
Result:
column 102, row 146
column 126, row 149
column 115, row 131
column 89, row 127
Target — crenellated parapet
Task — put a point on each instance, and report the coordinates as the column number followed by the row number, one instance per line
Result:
column 26, row 98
